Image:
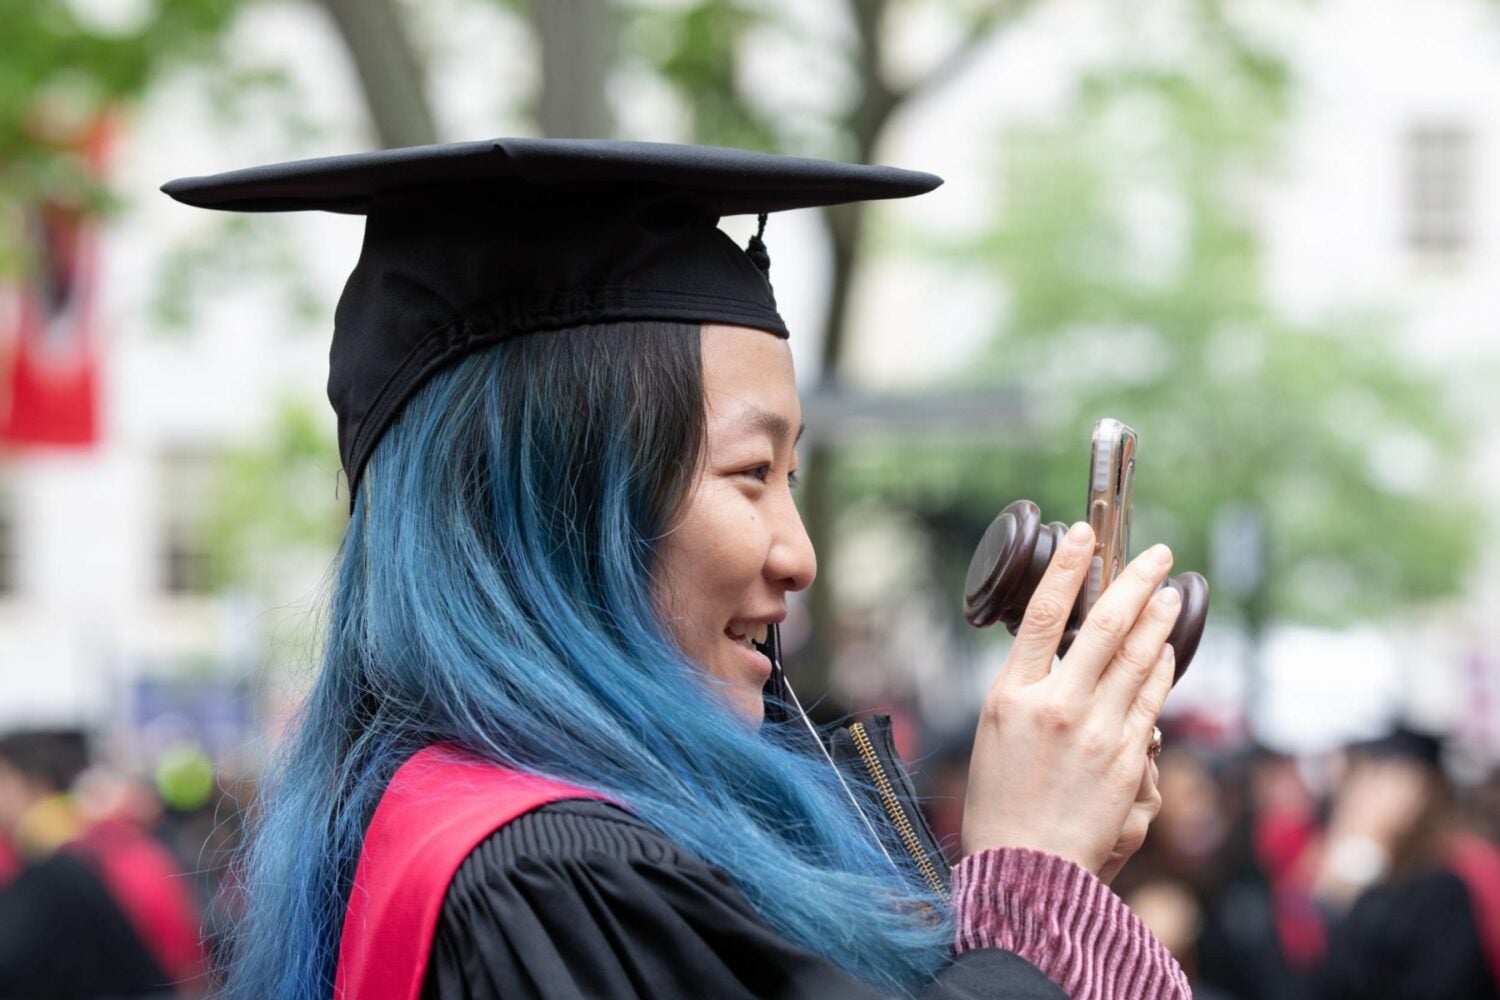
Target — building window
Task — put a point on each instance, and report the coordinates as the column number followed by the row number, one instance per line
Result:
column 187, row 498
column 1439, row 187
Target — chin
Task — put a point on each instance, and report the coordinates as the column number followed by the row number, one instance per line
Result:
column 750, row 707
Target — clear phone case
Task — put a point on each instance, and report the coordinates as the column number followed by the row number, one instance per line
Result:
column 1111, row 482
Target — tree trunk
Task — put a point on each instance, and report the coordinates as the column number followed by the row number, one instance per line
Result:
column 864, row 123
column 576, row 43
column 845, row 226
column 391, row 73
column 845, row 223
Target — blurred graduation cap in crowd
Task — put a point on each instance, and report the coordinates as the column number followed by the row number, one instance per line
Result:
column 468, row 244
column 52, row 758
column 1404, row 743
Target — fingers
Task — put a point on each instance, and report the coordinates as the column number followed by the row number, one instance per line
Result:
column 1128, row 671
column 1148, row 794
column 1147, row 805
column 1146, row 708
column 1050, row 606
column 1143, row 811
column 1137, row 823
column 1113, row 616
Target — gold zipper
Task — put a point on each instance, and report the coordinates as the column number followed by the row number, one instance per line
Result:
column 894, row 810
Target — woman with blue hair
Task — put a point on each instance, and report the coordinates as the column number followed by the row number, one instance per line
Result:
column 548, row 753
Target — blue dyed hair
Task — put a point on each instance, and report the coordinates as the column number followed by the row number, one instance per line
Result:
column 493, row 590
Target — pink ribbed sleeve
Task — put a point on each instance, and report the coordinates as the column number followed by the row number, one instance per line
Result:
column 1063, row 920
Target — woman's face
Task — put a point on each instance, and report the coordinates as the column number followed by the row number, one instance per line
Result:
column 737, row 545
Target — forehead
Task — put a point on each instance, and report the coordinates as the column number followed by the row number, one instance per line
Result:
column 749, row 384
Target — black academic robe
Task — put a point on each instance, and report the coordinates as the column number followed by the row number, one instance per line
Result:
column 63, row 936
column 581, row 899
column 1413, row 937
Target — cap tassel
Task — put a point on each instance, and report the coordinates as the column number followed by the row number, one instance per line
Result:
column 756, row 248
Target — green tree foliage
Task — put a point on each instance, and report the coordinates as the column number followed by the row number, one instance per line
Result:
column 280, row 504
column 696, row 50
column 64, row 66
column 1126, row 244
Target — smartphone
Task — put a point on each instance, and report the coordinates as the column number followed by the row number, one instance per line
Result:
column 1111, row 483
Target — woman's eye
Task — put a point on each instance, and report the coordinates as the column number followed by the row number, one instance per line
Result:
column 762, row 474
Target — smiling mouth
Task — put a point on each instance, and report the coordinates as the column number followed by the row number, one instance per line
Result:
column 755, row 636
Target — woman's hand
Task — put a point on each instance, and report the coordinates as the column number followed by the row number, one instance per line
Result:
column 1059, row 762
column 1137, row 823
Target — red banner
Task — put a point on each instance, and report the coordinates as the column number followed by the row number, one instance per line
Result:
column 49, row 343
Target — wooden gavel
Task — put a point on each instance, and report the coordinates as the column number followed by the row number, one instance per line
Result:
column 1010, row 560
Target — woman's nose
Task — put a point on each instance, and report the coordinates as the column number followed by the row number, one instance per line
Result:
column 792, row 563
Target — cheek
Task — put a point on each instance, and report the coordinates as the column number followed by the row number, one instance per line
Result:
column 725, row 565
column 709, row 562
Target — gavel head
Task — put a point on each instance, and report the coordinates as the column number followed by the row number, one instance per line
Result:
column 1010, row 560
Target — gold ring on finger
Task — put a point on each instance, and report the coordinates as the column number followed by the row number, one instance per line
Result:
column 1153, row 749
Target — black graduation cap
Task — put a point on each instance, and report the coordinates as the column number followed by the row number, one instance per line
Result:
column 1406, row 743
column 467, row 244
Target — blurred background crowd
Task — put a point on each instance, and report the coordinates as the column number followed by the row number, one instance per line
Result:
column 1266, row 234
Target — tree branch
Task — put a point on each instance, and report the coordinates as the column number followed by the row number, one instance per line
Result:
column 877, row 99
column 390, row 71
column 962, row 54
column 575, row 41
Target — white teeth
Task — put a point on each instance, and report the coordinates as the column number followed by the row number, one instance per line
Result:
column 753, row 635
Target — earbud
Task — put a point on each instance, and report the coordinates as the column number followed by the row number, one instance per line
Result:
column 1010, row 560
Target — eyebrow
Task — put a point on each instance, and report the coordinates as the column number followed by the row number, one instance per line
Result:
column 773, row 424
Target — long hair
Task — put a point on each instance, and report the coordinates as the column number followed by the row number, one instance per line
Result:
column 494, row 591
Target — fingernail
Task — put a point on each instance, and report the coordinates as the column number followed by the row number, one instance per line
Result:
column 1079, row 532
column 1160, row 554
column 1168, row 597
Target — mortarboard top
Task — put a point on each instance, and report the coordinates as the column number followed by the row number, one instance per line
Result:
column 467, row 244
column 1405, row 743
